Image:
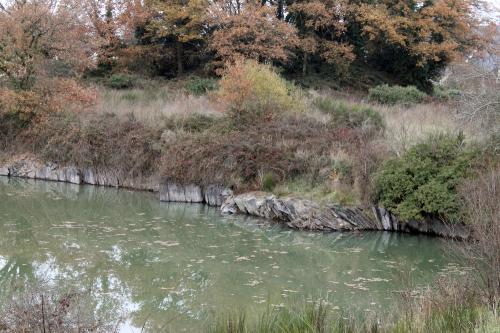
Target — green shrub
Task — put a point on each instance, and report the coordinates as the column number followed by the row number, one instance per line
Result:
column 352, row 116
column 200, row 86
column 444, row 94
column 386, row 94
column 195, row 122
column 343, row 169
column 268, row 182
column 120, row 81
column 130, row 96
column 423, row 182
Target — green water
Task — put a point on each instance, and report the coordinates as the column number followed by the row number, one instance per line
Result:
column 175, row 265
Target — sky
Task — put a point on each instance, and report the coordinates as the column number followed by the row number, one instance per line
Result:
column 494, row 12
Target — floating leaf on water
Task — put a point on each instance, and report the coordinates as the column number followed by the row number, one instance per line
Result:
column 252, row 283
column 167, row 243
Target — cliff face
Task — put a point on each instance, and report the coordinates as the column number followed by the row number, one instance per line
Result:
column 295, row 213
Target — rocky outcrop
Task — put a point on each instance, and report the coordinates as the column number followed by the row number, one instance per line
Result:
column 390, row 222
column 4, row 170
column 307, row 215
column 30, row 167
column 213, row 195
column 173, row 192
column 299, row 213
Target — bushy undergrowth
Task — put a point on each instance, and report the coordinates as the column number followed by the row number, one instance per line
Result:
column 203, row 149
column 200, row 86
column 47, row 309
column 195, row 122
column 480, row 197
column 345, row 115
column 250, row 90
column 17, row 109
column 120, row 81
column 20, row 109
column 445, row 94
column 285, row 147
column 99, row 141
column 386, row 94
column 423, row 182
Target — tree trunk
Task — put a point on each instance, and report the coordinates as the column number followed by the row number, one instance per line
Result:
column 280, row 11
column 304, row 64
column 180, row 66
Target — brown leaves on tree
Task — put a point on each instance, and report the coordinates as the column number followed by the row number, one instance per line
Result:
column 432, row 31
column 36, row 33
column 322, row 26
column 252, row 32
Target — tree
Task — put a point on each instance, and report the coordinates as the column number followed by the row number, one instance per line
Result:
column 478, row 84
column 252, row 31
column 414, row 40
column 180, row 22
column 112, row 22
column 36, row 33
column 322, row 30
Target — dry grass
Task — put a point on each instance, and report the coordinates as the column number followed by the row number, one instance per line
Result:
column 407, row 125
column 151, row 105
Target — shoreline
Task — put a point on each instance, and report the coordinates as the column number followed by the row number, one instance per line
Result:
column 296, row 213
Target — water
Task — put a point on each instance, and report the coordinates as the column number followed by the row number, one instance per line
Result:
column 176, row 265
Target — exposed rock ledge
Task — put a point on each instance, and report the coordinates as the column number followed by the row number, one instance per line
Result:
column 212, row 195
column 30, row 167
column 299, row 213
column 308, row 215
column 295, row 213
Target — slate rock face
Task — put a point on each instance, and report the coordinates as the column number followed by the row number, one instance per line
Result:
column 4, row 170
column 213, row 195
column 30, row 167
column 298, row 213
column 173, row 192
column 430, row 226
column 308, row 215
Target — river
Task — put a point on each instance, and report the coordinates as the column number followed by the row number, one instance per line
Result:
column 176, row 266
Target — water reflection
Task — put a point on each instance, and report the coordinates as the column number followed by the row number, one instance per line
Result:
column 172, row 265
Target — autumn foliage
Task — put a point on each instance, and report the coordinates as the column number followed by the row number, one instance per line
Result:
column 37, row 35
column 249, row 90
column 253, row 32
column 323, row 30
column 416, row 40
column 412, row 41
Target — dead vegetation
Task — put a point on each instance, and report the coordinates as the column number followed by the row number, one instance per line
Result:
column 285, row 147
column 481, row 199
column 43, row 309
column 93, row 141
